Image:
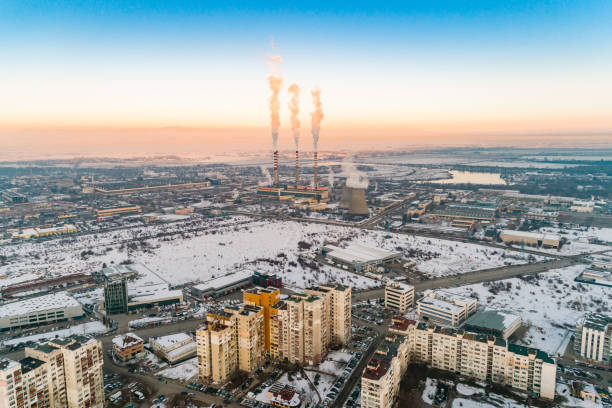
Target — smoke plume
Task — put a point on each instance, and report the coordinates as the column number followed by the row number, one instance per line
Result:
column 267, row 175
column 294, row 107
column 354, row 177
column 275, row 82
column 330, row 177
column 317, row 117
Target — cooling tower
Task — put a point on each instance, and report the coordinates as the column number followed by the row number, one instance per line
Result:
column 353, row 199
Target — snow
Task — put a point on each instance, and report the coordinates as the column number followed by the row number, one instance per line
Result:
column 551, row 304
column 200, row 249
column 146, row 320
column 468, row 390
column 172, row 339
column 53, row 301
column 181, row 372
column 431, row 385
column 18, row 278
column 563, row 390
column 95, row 327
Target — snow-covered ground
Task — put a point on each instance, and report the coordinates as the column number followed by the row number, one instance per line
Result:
column 183, row 371
column 200, row 249
column 95, row 327
column 551, row 304
column 431, row 385
column 301, row 384
column 563, row 390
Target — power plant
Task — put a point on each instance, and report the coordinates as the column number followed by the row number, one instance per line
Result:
column 354, row 200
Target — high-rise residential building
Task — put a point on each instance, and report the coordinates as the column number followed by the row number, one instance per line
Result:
column 337, row 303
column 478, row 356
column 593, row 339
column 115, row 296
column 62, row 373
column 25, row 384
column 399, row 297
column 265, row 298
column 230, row 340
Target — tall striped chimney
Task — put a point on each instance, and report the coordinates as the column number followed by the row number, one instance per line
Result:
column 276, row 167
column 316, row 182
column 297, row 169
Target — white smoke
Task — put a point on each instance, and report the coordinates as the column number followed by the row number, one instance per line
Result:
column 317, row 117
column 354, row 177
column 294, row 108
column 330, row 177
column 266, row 174
column 275, row 83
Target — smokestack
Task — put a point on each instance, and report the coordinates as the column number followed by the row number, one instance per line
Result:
column 275, row 159
column 297, row 169
column 316, row 182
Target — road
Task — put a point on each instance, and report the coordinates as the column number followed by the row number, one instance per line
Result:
column 470, row 278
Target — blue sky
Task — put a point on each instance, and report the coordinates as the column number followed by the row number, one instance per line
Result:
column 483, row 65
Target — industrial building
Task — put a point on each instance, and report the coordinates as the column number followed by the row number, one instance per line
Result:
column 265, row 280
column 593, row 340
column 399, row 297
column 44, row 231
column 173, row 348
column 445, row 307
column 357, row 257
column 56, row 307
column 151, row 189
column 601, row 277
column 530, row 238
column 156, row 294
column 287, row 192
column 493, row 323
column 75, row 280
column 464, row 215
column 222, row 285
column 127, row 346
column 105, row 213
column 353, row 200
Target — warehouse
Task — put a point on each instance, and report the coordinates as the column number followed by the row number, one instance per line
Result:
column 39, row 310
column 357, row 257
column 530, row 238
column 494, row 323
column 153, row 295
column 464, row 213
column 222, row 285
column 174, row 347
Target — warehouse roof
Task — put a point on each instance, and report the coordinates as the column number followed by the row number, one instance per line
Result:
column 358, row 253
column 223, row 281
column 53, row 301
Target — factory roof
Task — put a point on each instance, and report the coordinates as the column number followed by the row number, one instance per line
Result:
column 492, row 319
column 223, row 281
column 534, row 235
column 357, row 253
column 171, row 340
column 147, row 293
column 179, row 351
column 53, row 301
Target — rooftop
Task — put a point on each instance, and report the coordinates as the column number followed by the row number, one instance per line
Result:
column 126, row 340
column 29, row 364
column 171, row 339
column 492, row 319
column 225, row 280
column 53, row 301
column 357, row 253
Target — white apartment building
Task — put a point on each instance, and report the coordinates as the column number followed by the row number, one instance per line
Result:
column 445, row 308
column 337, row 311
column 25, row 384
column 593, row 339
column 478, row 356
column 399, row 297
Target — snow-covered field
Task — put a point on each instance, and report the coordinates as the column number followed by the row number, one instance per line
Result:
column 200, row 249
column 95, row 327
column 183, row 371
column 551, row 304
column 574, row 234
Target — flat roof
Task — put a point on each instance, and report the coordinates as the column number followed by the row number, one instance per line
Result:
column 171, row 339
column 492, row 319
column 441, row 304
column 223, row 281
column 358, row 253
column 53, row 301
column 534, row 235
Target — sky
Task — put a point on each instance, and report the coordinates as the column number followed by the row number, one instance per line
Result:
column 169, row 76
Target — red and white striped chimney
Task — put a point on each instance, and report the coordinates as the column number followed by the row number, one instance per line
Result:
column 297, row 169
column 316, row 181
column 276, row 167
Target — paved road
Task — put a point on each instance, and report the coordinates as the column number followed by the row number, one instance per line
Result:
column 470, row 278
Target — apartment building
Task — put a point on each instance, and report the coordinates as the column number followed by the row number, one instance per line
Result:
column 445, row 308
column 399, row 297
column 478, row 356
column 230, row 340
column 264, row 298
column 337, row 303
column 593, row 339
column 62, row 373
column 25, row 384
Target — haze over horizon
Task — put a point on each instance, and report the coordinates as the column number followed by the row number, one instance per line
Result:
column 152, row 77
